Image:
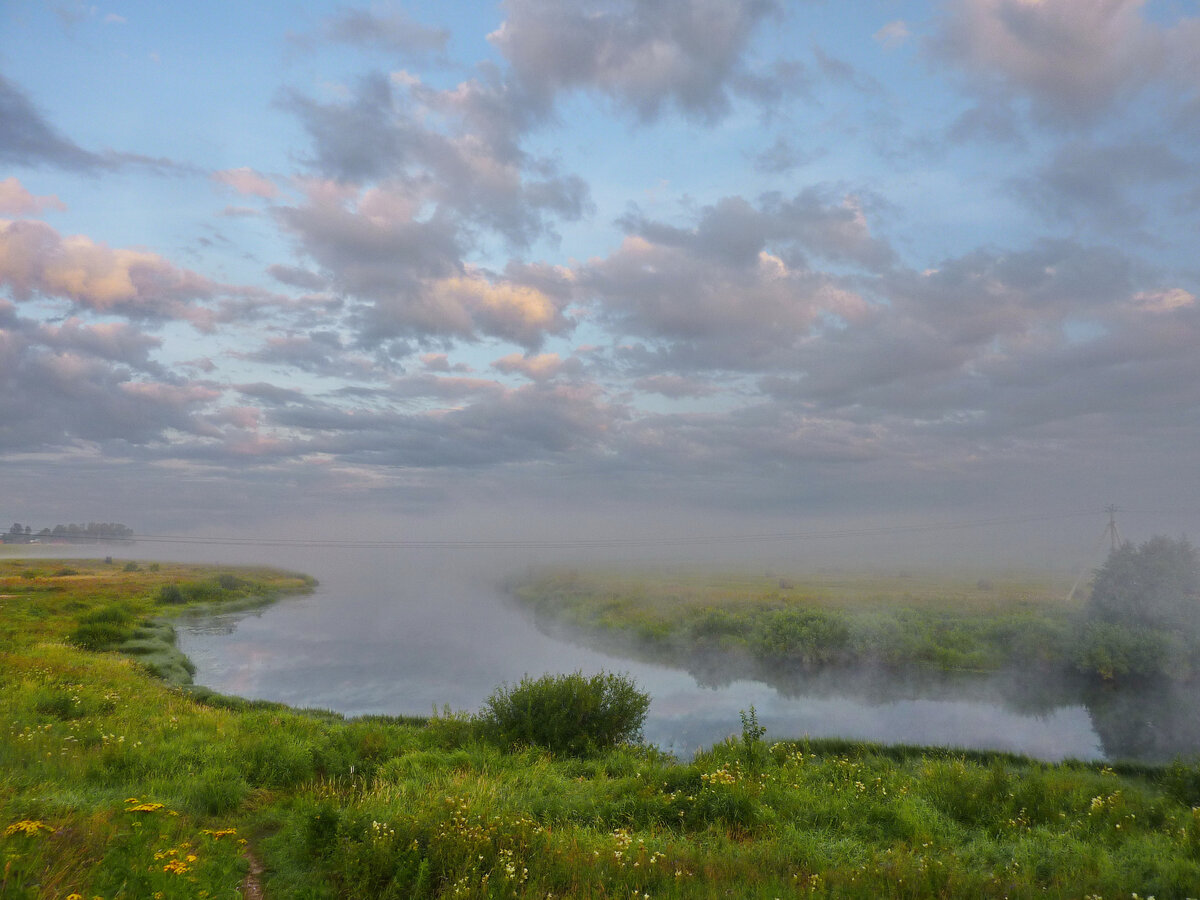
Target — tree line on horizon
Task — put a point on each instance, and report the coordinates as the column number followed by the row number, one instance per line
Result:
column 92, row 531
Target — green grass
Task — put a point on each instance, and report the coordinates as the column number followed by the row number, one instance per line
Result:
column 935, row 622
column 114, row 783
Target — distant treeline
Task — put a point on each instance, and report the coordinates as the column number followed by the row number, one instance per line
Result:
column 91, row 532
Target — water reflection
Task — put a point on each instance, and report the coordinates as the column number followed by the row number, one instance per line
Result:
column 403, row 633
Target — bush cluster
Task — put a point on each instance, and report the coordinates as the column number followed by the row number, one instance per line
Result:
column 574, row 714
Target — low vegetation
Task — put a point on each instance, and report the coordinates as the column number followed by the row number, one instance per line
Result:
column 116, row 783
column 1142, row 619
column 574, row 714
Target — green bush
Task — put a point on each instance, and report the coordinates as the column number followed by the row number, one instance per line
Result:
column 566, row 714
column 170, row 594
column 801, row 635
column 1121, row 651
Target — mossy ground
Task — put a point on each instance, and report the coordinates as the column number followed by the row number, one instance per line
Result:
column 115, row 783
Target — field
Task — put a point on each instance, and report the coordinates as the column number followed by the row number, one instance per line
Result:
column 116, row 782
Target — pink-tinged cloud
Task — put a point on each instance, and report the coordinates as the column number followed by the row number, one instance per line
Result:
column 1072, row 58
column 36, row 259
column 15, row 200
column 170, row 395
column 440, row 362
column 241, row 416
column 1165, row 300
column 539, row 367
column 248, row 182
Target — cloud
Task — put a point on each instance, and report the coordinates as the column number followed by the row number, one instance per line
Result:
column 78, row 383
column 1000, row 347
column 15, row 200
column 537, row 367
column 296, row 276
column 372, row 246
column 1071, row 60
column 317, row 352
column 457, row 150
column 643, row 54
column 701, row 313
column 393, row 32
column 1164, row 300
column 674, row 386
column 736, row 291
column 1096, row 184
column 782, row 156
column 248, row 182
column 893, row 34
column 27, row 139
column 522, row 425
column 34, row 258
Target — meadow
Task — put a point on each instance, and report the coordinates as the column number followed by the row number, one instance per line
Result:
column 934, row 622
column 119, row 779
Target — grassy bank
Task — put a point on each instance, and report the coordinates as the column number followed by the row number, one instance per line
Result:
column 116, row 783
column 976, row 625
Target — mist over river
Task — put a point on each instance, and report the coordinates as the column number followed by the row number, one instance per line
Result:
column 405, row 631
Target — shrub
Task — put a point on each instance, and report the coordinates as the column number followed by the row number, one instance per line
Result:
column 1118, row 651
column 170, row 594
column 1156, row 585
column 567, row 714
column 801, row 635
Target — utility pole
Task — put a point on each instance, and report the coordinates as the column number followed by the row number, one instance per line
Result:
column 1113, row 535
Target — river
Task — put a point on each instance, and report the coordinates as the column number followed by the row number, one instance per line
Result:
column 405, row 632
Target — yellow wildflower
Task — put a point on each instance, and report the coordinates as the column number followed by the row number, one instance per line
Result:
column 27, row 826
column 176, row 867
column 145, row 807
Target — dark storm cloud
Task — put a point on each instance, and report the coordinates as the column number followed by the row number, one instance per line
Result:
column 643, row 54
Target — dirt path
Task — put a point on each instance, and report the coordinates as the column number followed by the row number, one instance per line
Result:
column 252, row 884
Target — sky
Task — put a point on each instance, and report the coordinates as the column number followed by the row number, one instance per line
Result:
column 601, row 267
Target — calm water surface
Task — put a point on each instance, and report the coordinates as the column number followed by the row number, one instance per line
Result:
column 405, row 632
